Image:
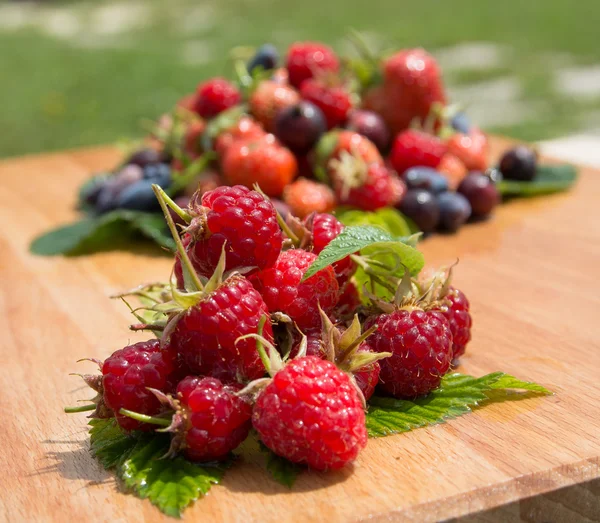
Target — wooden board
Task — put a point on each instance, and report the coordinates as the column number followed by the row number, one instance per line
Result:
column 531, row 273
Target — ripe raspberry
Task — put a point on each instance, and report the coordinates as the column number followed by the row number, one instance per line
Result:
column 268, row 99
column 205, row 335
column 264, row 162
column 307, row 196
column 309, row 59
column 311, row 413
column 368, row 376
column 218, row 421
column 282, row 291
column 415, row 148
column 241, row 219
column 326, row 227
column 333, row 100
column 214, row 96
column 127, row 374
column 314, row 344
column 421, row 346
column 457, row 314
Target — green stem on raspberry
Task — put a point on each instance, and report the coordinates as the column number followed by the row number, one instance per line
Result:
column 81, row 408
column 371, row 273
column 286, row 229
column 348, row 350
column 185, row 259
column 144, row 418
column 186, row 217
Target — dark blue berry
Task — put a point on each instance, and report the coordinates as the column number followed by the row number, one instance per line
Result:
column 300, row 126
column 421, row 207
column 460, row 122
column 455, row 210
column 144, row 157
column 481, row 192
column 425, row 178
column 519, row 163
column 266, row 57
column 138, row 197
column 92, row 189
column 159, row 173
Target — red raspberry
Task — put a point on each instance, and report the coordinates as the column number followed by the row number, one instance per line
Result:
column 308, row 59
column 205, row 335
column 421, row 347
column 218, row 420
column 282, row 291
column 333, row 100
column 241, row 219
column 314, row 344
column 379, row 187
column 325, row 228
column 127, row 374
column 457, row 313
column 415, row 148
column 368, row 376
column 311, row 413
column 214, row 96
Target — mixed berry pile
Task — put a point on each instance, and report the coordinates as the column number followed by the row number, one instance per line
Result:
column 317, row 131
column 244, row 342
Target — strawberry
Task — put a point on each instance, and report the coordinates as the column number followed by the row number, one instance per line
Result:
column 308, row 59
column 333, row 100
column 244, row 129
column 471, row 149
column 268, row 99
column 307, row 196
column 413, row 148
column 453, row 169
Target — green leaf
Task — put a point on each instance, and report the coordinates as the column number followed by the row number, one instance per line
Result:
column 457, row 395
column 106, row 231
column 108, row 443
column 388, row 218
column 548, row 179
column 282, row 470
column 379, row 243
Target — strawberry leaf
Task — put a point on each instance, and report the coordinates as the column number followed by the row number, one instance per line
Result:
column 548, row 179
column 282, row 470
column 458, row 394
column 373, row 240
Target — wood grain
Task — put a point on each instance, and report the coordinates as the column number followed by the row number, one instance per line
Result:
column 531, row 275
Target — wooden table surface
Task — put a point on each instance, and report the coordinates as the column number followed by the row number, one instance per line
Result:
column 531, row 273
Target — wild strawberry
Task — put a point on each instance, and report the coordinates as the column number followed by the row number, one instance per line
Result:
column 412, row 85
column 415, row 148
column 456, row 310
column 309, row 59
column 192, row 145
column 124, row 381
column 283, row 290
column 245, row 128
column 238, row 219
column 311, row 413
column 214, row 96
column 307, row 196
column 471, row 149
column 333, row 100
column 268, row 99
column 453, row 169
column 264, row 162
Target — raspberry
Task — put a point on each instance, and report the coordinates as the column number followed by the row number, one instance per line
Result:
column 307, row 196
column 457, row 313
column 218, row 420
column 314, row 344
column 214, row 96
column 414, row 148
column 325, row 228
column 282, row 290
column 368, row 376
column 421, row 346
column 241, row 219
column 127, row 374
column 205, row 335
column 308, row 59
column 311, row 413
column 334, row 101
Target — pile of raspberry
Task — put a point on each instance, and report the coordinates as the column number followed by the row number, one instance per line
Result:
column 246, row 342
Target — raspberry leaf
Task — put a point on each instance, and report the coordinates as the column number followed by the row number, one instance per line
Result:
column 108, row 443
column 548, row 179
column 457, row 395
column 389, row 219
column 282, row 470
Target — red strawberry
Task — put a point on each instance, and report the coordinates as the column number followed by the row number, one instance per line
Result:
column 471, row 149
column 214, row 96
column 415, row 148
column 264, row 162
column 246, row 128
column 304, row 197
column 333, row 100
column 309, row 59
column 453, row 169
column 268, row 99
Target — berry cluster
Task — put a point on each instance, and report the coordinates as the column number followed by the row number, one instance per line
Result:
column 246, row 341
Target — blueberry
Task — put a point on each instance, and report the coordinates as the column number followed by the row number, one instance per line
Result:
column 519, row 163
column 371, row 125
column 425, row 178
column 460, row 122
column 421, row 207
column 92, row 189
column 300, row 126
column 144, row 157
column 481, row 192
column 455, row 210
column 159, row 173
column 138, row 197
column 115, row 185
column 266, row 57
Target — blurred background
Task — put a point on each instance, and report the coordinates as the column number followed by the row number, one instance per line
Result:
column 77, row 73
